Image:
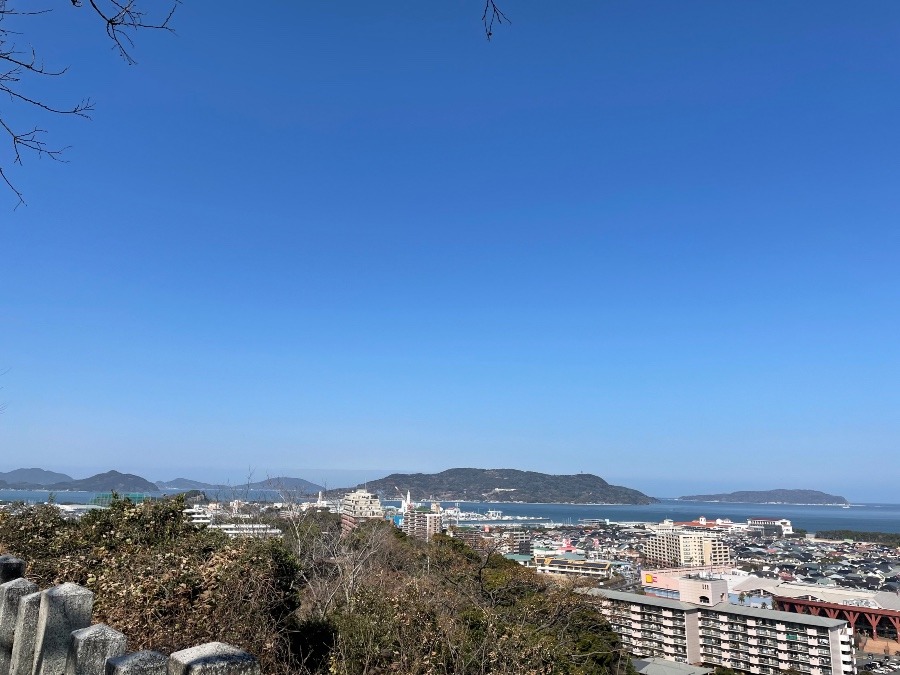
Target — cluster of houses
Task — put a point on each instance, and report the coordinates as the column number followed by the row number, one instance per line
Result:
column 859, row 565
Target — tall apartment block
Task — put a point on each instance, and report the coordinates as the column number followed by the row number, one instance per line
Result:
column 358, row 506
column 756, row 641
column 686, row 549
column 422, row 524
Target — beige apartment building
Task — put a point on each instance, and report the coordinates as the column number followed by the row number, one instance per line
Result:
column 358, row 506
column 671, row 548
column 422, row 524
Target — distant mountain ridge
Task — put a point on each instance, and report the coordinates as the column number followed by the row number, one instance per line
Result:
column 41, row 479
column 507, row 485
column 284, row 483
column 111, row 481
column 33, row 477
column 779, row 496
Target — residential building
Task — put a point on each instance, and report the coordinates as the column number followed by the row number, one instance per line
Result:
column 770, row 527
column 601, row 569
column 650, row 626
column 257, row 530
column 769, row 641
column 675, row 548
column 357, row 507
column 755, row 641
column 197, row 515
column 422, row 524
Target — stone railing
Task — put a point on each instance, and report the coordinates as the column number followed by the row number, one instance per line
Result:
column 49, row 632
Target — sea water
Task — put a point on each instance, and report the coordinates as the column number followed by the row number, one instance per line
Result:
column 861, row 517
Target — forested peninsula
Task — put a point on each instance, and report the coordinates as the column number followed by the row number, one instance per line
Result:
column 780, row 496
column 507, row 485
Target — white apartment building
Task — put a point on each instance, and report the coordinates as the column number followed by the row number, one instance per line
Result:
column 358, row 506
column 600, row 569
column 197, row 515
column 673, row 548
column 775, row 526
column 755, row 641
column 260, row 530
column 651, row 626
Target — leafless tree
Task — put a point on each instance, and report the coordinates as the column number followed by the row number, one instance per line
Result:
column 21, row 65
column 121, row 20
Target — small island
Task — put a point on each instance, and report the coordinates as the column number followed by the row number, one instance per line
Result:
column 779, row 496
column 507, row 485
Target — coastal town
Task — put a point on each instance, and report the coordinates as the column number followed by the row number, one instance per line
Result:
column 756, row 596
column 449, row 338
column 759, row 596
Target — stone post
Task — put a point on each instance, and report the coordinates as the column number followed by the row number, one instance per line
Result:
column 139, row 663
column 22, row 660
column 11, row 568
column 213, row 658
column 91, row 647
column 10, row 594
column 64, row 608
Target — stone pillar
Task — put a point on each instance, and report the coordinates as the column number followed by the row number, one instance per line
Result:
column 213, row 658
column 22, row 660
column 64, row 608
column 91, row 647
column 10, row 594
column 139, row 663
column 11, row 568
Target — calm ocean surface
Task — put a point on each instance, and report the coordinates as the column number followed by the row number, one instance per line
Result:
column 865, row 517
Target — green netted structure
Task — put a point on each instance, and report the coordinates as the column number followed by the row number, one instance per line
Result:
column 106, row 498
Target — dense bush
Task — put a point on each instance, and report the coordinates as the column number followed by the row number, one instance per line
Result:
column 163, row 582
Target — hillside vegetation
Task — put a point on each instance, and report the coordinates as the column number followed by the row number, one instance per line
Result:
column 507, row 485
column 315, row 602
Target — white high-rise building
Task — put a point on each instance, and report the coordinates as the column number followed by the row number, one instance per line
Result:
column 358, row 506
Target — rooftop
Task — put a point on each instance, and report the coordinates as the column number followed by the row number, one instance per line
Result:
column 659, row 666
column 650, row 600
column 775, row 615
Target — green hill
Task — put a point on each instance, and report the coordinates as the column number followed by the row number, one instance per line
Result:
column 33, row 477
column 780, row 496
column 507, row 485
column 109, row 481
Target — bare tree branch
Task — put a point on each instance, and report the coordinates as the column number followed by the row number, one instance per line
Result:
column 491, row 15
column 121, row 20
column 20, row 66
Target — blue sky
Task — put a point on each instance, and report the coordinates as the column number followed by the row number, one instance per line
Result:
column 653, row 241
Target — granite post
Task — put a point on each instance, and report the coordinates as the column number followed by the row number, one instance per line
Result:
column 11, row 568
column 139, row 663
column 213, row 658
column 22, row 660
column 91, row 647
column 64, row 608
column 10, row 594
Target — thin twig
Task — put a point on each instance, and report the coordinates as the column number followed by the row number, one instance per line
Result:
column 492, row 14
